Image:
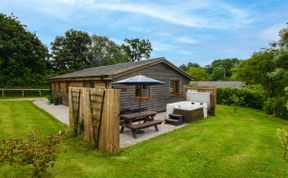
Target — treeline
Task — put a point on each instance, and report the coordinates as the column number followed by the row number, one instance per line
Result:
column 266, row 70
column 26, row 62
column 219, row 69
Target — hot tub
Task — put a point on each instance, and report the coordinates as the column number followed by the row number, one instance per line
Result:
column 186, row 105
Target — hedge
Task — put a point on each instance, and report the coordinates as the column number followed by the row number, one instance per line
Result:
column 250, row 97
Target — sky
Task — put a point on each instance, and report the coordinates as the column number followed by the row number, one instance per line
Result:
column 182, row 31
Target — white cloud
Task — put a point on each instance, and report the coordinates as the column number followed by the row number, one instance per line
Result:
column 161, row 46
column 151, row 11
column 271, row 33
column 184, row 13
column 187, row 40
column 163, row 33
column 184, row 52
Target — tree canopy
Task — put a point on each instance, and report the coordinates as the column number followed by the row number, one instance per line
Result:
column 105, row 52
column 71, row 51
column 198, row 73
column 137, row 49
column 23, row 57
column 77, row 50
column 268, row 67
column 222, row 68
column 190, row 64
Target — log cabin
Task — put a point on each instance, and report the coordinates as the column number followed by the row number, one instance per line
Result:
column 153, row 97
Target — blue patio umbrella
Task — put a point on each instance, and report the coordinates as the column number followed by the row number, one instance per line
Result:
column 139, row 80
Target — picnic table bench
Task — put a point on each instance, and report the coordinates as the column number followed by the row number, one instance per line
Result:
column 146, row 116
column 134, row 127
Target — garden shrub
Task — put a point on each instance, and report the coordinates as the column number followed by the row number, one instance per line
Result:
column 283, row 137
column 38, row 152
column 286, row 91
column 268, row 106
column 236, row 101
column 276, row 106
column 251, row 96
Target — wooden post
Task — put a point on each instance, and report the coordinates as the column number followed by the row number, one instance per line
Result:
column 22, row 93
column 109, row 133
column 39, row 92
column 3, row 94
column 83, row 113
column 71, row 123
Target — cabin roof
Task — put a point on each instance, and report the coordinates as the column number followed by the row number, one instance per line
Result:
column 235, row 84
column 117, row 69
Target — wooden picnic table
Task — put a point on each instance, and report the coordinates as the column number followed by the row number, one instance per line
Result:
column 138, row 115
column 146, row 116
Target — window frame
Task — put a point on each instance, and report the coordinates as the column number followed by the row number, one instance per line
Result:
column 173, row 91
column 141, row 92
column 89, row 84
column 92, row 84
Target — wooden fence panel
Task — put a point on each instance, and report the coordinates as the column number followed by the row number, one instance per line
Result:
column 98, row 121
column 109, row 134
column 213, row 98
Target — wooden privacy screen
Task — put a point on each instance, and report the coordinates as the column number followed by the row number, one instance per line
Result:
column 94, row 115
column 213, row 96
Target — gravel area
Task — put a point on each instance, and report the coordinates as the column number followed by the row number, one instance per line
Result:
column 127, row 139
column 61, row 112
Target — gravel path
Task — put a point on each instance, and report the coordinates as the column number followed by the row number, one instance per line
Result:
column 61, row 112
column 127, row 139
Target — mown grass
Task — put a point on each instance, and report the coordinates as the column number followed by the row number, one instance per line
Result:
column 19, row 118
column 242, row 144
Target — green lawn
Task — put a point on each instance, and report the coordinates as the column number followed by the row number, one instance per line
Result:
column 242, row 144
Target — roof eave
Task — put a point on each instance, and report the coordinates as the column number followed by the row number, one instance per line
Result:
column 73, row 78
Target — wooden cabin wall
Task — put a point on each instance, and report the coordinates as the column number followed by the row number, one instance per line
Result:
column 76, row 84
column 160, row 94
column 60, row 88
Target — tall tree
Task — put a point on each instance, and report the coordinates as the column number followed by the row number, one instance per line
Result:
column 71, row 51
column 255, row 70
column 105, row 52
column 218, row 73
column 268, row 67
column 222, row 68
column 137, row 49
column 22, row 55
column 283, row 42
column 190, row 64
column 198, row 73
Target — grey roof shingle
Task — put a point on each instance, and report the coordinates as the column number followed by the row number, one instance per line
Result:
column 111, row 70
column 236, row 84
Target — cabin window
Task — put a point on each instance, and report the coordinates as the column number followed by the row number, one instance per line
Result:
column 89, row 84
column 142, row 91
column 175, row 87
